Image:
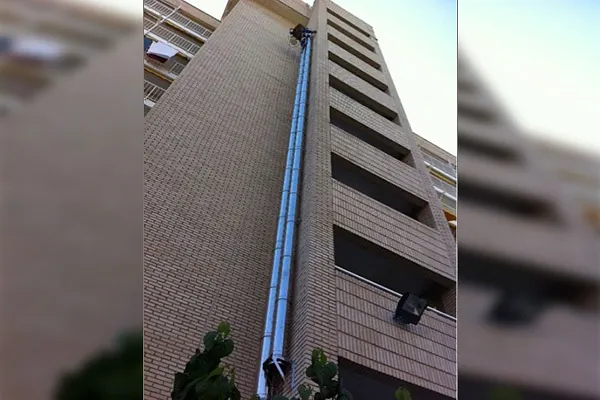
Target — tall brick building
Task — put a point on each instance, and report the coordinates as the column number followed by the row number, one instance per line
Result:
column 370, row 225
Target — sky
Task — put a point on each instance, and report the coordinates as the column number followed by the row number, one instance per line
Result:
column 540, row 58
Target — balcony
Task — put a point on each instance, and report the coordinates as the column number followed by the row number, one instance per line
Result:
column 443, row 185
column 357, row 66
column 181, row 21
column 441, row 165
column 376, row 161
column 367, row 117
column 171, row 68
column 351, row 33
column 423, row 355
column 557, row 352
column 152, row 93
column 350, row 46
column 362, row 91
column 344, row 15
column 448, row 201
column 390, row 229
column 162, row 34
column 547, row 247
column 489, row 174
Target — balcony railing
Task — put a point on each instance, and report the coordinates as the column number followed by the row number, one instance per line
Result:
column 448, row 203
column 171, row 67
column 152, row 92
column 439, row 164
column 181, row 19
column 445, row 186
column 175, row 39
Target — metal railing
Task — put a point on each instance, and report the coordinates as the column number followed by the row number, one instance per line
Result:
column 175, row 39
column 181, row 19
column 174, row 67
column 152, row 92
column 447, row 202
column 441, row 184
column 170, row 67
column 441, row 165
column 148, row 23
column 390, row 291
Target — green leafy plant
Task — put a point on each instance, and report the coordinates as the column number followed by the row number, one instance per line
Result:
column 113, row 374
column 403, row 394
column 504, row 393
column 205, row 379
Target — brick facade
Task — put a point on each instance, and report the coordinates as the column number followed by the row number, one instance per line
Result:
column 215, row 152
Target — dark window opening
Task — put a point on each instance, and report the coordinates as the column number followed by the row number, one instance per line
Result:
column 367, row 384
column 358, row 72
column 338, row 16
column 363, row 99
column 368, row 135
column 513, row 278
column 510, row 203
column 354, row 52
column 350, row 35
column 390, row 270
column 477, row 114
column 379, row 189
column 487, row 150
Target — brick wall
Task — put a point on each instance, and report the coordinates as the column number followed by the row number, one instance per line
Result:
column 424, row 354
column 367, row 117
column 390, row 229
column 214, row 162
column 376, row 161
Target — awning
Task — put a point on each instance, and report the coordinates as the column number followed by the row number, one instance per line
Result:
column 160, row 51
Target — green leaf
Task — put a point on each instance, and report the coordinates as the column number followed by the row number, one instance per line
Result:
column 224, row 329
column 215, row 372
column 304, row 391
column 331, row 370
column 319, row 357
column 505, row 393
column 345, row 395
column 210, row 339
column 228, row 347
column 403, row 394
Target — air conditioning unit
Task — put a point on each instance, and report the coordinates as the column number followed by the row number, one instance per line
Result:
column 410, row 308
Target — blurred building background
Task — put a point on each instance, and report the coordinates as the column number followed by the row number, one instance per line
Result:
column 173, row 33
column 528, row 257
column 71, row 189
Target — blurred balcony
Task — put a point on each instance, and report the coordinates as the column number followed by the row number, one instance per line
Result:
column 182, row 22
column 152, row 93
column 162, row 34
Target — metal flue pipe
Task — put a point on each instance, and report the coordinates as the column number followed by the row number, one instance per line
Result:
column 262, row 388
column 290, row 229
